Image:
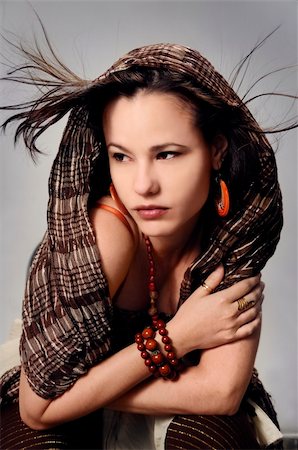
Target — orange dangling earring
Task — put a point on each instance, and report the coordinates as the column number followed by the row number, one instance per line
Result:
column 117, row 200
column 222, row 203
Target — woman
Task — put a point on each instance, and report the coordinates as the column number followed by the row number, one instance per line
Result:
column 194, row 214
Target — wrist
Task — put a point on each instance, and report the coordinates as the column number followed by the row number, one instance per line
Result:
column 177, row 339
column 158, row 351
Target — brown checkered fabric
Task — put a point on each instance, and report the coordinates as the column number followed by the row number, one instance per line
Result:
column 67, row 311
column 179, row 59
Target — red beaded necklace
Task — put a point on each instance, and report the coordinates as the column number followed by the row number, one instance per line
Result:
column 166, row 366
column 153, row 294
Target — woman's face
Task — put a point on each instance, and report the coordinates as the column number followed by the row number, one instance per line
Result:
column 159, row 161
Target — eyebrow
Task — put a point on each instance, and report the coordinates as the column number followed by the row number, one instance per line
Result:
column 154, row 148
column 111, row 144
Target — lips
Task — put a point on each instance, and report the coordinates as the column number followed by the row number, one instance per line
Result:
column 150, row 212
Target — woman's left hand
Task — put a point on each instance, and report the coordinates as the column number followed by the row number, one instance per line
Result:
column 207, row 320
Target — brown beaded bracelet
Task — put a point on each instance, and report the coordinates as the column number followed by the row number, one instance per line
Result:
column 160, row 325
column 153, row 358
column 166, row 366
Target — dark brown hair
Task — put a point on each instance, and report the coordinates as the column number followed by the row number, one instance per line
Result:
column 211, row 115
column 65, row 91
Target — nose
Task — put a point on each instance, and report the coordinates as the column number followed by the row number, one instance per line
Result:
column 145, row 181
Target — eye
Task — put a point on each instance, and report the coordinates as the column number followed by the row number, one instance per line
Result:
column 167, row 155
column 120, row 157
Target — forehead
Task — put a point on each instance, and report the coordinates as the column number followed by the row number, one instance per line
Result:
column 150, row 105
column 150, row 119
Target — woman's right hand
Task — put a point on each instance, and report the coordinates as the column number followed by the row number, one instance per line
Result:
column 207, row 320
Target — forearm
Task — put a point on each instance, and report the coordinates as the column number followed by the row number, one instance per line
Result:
column 215, row 386
column 101, row 385
column 194, row 393
column 121, row 373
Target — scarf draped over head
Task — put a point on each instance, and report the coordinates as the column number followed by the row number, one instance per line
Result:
column 67, row 311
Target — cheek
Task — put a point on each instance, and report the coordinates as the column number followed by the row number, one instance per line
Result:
column 195, row 187
column 197, row 175
column 121, row 182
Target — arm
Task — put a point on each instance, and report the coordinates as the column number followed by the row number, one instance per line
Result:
column 117, row 248
column 215, row 386
column 101, row 385
column 116, row 244
column 95, row 389
column 198, row 391
column 218, row 383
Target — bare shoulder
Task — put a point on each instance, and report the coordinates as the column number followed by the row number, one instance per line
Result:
column 116, row 241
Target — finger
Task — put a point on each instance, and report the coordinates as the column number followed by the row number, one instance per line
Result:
column 241, row 288
column 212, row 281
column 259, row 288
column 255, row 297
column 260, row 294
column 243, row 304
column 248, row 315
column 248, row 328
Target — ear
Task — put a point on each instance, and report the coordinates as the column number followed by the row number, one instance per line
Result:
column 218, row 150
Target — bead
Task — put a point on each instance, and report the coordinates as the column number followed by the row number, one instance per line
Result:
column 151, row 344
column 141, row 347
column 171, row 355
column 144, row 355
column 168, row 348
column 148, row 362
column 148, row 333
column 138, row 338
column 174, row 375
column 174, row 362
column 166, row 340
column 160, row 324
column 157, row 358
column 152, row 287
column 163, row 331
column 164, row 370
column 152, row 311
column 154, row 295
column 152, row 369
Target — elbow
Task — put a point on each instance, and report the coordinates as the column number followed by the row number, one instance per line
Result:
column 35, row 423
column 232, row 407
column 230, row 401
column 223, row 402
column 32, row 422
column 33, row 409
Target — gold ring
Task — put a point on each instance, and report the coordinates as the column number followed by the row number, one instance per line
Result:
column 244, row 304
column 208, row 289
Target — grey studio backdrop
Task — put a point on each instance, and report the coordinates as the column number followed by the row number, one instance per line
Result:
column 89, row 36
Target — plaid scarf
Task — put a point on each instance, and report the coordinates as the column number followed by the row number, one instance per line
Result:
column 67, row 312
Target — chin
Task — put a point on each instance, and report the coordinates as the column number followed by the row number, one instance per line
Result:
column 149, row 229
column 157, row 230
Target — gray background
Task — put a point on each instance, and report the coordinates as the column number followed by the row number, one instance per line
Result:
column 89, row 36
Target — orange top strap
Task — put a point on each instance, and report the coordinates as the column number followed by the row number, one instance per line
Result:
column 118, row 214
